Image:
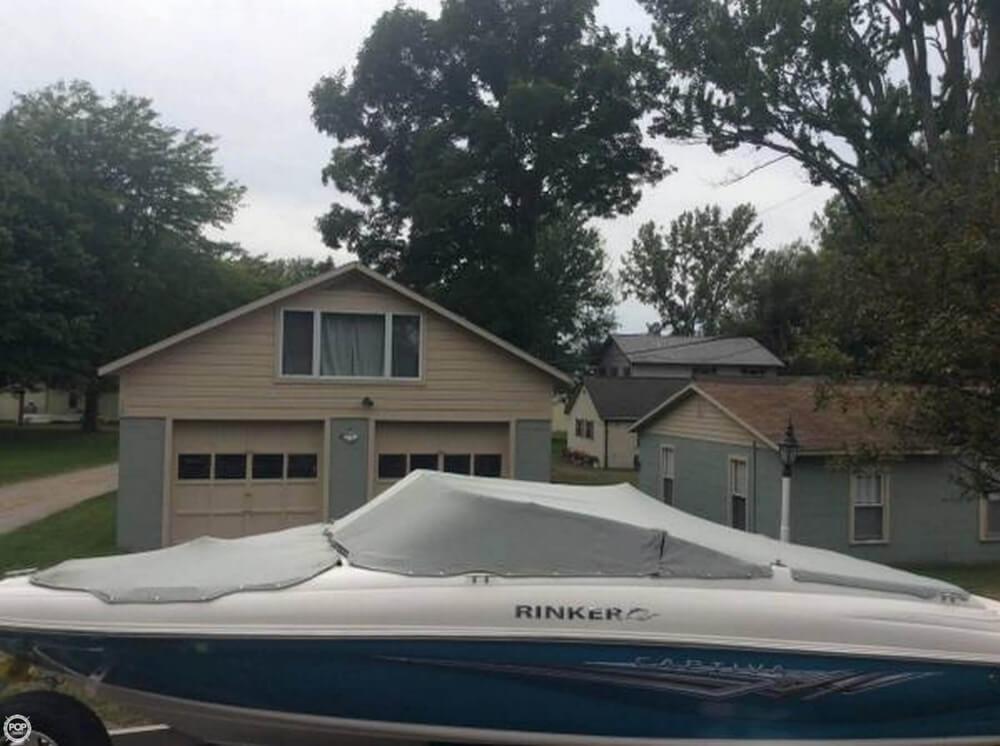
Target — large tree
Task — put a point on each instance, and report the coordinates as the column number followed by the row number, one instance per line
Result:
column 775, row 302
column 463, row 141
column 690, row 273
column 857, row 91
column 914, row 302
column 103, row 211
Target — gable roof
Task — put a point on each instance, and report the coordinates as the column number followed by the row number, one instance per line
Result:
column 628, row 398
column 319, row 280
column 847, row 421
column 676, row 350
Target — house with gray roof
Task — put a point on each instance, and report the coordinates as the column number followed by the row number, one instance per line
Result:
column 656, row 356
column 602, row 410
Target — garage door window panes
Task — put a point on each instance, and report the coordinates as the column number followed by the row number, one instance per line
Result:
column 230, row 466
column 424, row 461
column 488, row 464
column 391, row 465
column 458, row 463
column 302, row 465
column 268, row 466
column 194, row 466
column 350, row 345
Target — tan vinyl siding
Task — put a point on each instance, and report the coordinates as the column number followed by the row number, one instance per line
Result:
column 623, row 446
column 584, row 409
column 231, row 371
column 698, row 418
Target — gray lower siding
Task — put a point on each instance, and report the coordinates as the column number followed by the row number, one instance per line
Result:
column 930, row 521
column 142, row 444
column 348, row 472
column 701, row 479
column 533, row 450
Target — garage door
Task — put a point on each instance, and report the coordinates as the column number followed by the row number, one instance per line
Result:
column 462, row 448
column 236, row 478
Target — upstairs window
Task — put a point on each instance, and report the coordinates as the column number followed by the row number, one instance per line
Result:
column 350, row 345
column 297, row 343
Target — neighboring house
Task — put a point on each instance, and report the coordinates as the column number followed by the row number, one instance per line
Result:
column 603, row 410
column 304, row 404
column 711, row 450
column 560, row 419
column 652, row 355
column 44, row 405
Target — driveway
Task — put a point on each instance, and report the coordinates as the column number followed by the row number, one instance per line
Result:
column 26, row 502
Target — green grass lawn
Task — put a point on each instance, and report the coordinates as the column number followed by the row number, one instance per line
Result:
column 85, row 530
column 565, row 472
column 41, row 450
column 983, row 580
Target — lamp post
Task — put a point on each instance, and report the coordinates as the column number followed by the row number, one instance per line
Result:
column 788, row 450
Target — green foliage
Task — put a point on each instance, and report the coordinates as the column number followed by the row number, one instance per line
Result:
column 857, row 91
column 102, row 217
column 914, row 301
column 464, row 141
column 691, row 273
column 774, row 302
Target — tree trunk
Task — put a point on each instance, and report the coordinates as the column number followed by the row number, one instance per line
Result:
column 20, row 407
column 91, row 401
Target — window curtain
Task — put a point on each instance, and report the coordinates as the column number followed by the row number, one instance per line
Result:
column 352, row 345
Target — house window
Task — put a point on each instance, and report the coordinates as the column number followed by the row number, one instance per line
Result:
column 302, row 466
column 991, row 517
column 391, row 465
column 667, row 474
column 459, row 463
column 297, row 343
column 488, row 464
column 405, row 346
column 268, row 466
column 579, row 428
column 350, row 345
column 589, row 434
column 738, row 494
column 869, row 506
column 194, row 466
column 230, row 466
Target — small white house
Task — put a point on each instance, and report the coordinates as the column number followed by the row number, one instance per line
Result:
column 602, row 410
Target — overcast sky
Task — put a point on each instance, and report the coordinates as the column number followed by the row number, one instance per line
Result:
column 242, row 70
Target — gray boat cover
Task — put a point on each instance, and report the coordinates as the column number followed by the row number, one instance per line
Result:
column 200, row 570
column 434, row 524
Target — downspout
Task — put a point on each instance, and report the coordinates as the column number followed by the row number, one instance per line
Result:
column 605, row 444
column 753, row 488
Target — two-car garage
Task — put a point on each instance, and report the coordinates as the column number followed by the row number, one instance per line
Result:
column 235, row 478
